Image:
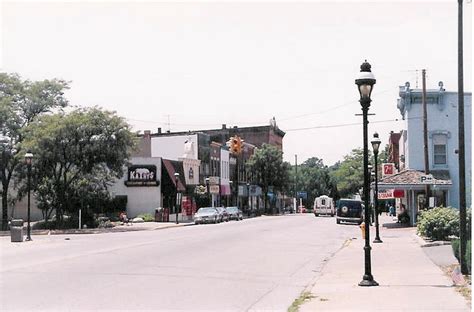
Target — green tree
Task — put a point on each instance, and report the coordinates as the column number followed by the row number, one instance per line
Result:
column 21, row 102
column 268, row 170
column 314, row 178
column 77, row 155
column 349, row 174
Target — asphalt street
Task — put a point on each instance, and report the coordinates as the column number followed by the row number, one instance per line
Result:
column 257, row 264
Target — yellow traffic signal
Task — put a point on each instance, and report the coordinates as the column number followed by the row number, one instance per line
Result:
column 235, row 145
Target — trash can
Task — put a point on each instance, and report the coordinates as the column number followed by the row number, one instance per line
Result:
column 16, row 230
column 159, row 215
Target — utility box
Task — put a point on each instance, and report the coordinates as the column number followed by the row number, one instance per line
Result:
column 16, row 230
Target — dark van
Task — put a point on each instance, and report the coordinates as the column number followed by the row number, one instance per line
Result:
column 349, row 210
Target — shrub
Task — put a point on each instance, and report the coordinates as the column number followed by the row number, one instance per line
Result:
column 68, row 223
column 147, row 217
column 438, row 223
column 455, row 244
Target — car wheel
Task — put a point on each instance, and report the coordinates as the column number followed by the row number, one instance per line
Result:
column 338, row 221
column 332, row 214
column 316, row 215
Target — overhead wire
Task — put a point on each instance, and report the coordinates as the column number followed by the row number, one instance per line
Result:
column 347, row 124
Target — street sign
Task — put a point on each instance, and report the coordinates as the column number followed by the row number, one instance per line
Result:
column 213, row 181
column 214, row 189
column 303, row 195
column 427, row 179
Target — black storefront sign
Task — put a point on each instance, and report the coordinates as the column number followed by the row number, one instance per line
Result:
column 142, row 175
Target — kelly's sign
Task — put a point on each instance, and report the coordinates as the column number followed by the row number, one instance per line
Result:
column 142, row 175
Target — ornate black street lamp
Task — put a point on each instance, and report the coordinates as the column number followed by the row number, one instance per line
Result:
column 231, row 183
column 208, row 192
column 176, row 176
column 248, row 199
column 365, row 82
column 6, row 151
column 375, row 146
column 28, row 160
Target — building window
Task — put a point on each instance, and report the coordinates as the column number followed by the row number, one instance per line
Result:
column 440, row 149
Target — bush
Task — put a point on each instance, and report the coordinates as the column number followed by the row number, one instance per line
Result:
column 147, row 217
column 455, row 244
column 68, row 223
column 438, row 223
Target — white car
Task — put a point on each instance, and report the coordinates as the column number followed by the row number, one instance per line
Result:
column 206, row 215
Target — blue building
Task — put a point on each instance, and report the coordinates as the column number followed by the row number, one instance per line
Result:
column 442, row 117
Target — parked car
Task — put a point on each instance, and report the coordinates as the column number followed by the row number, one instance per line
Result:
column 206, row 215
column 223, row 215
column 234, row 213
column 349, row 210
column 301, row 209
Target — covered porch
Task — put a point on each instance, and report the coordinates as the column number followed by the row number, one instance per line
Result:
column 412, row 184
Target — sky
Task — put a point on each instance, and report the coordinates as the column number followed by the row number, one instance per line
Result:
column 197, row 65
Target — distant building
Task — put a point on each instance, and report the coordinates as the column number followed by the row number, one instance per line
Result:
column 211, row 152
column 442, row 117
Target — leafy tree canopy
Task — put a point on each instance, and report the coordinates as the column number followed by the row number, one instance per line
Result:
column 21, row 102
column 268, row 169
column 86, row 148
column 349, row 173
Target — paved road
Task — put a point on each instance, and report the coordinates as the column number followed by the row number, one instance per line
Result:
column 255, row 264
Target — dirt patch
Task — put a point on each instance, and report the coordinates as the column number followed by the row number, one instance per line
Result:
column 462, row 286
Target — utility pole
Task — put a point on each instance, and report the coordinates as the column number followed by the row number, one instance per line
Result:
column 425, row 136
column 461, row 150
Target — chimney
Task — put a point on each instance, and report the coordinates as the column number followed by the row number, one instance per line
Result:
column 224, row 126
column 159, row 130
column 146, row 134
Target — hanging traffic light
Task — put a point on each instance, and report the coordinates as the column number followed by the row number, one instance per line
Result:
column 235, row 145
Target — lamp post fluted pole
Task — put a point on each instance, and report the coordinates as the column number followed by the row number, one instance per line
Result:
column 248, row 198
column 176, row 176
column 28, row 159
column 365, row 83
column 208, row 191
column 375, row 145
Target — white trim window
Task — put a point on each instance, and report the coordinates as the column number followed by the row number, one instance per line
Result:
column 440, row 155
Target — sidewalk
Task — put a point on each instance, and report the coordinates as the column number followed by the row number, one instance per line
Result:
column 118, row 228
column 408, row 279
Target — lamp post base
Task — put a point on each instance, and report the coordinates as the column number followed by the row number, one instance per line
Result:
column 368, row 281
column 377, row 240
column 27, row 239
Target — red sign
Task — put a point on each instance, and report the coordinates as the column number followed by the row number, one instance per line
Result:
column 388, row 169
column 398, row 193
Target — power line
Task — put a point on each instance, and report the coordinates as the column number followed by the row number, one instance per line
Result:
column 330, row 109
column 346, row 125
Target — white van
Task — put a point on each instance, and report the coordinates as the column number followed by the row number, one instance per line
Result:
column 323, row 205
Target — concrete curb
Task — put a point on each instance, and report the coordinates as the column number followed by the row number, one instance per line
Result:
column 98, row 231
column 423, row 243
